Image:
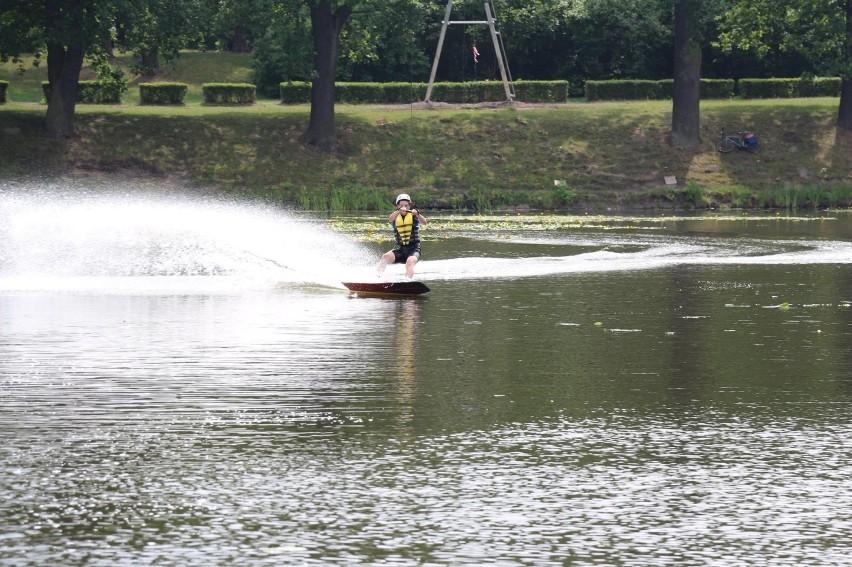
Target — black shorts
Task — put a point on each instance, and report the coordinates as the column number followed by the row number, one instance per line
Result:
column 403, row 253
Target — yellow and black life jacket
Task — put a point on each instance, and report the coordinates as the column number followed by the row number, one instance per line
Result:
column 406, row 229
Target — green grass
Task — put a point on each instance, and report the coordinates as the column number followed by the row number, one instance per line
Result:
column 24, row 86
column 191, row 67
column 603, row 153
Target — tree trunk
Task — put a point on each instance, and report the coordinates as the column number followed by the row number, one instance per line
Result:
column 150, row 62
column 326, row 26
column 241, row 40
column 686, row 94
column 844, row 114
column 64, row 63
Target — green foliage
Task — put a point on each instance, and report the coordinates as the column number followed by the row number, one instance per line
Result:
column 708, row 88
column 469, row 92
column 295, row 92
column 282, row 47
column 4, row 85
column 385, row 40
column 92, row 92
column 816, row 197
column 741, row 197
column 541, row 91
column 162, row 93
column 478, row 199
column 155, row 30
column 623, row 90
column 359, row 93
column 564, row 196
column 613, row 153
column 108, row 89
column 765, row 198
column 404, row 93
column 228, row 93
column 342, row 198
column 790, row 197
column 111, row 78
column 694, row 195
column 840, row 196
column 715, row 88
column 815, row 29
column 653, row 90
column 789, row 88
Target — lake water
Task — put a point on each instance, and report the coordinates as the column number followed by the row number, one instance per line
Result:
column 183, row 381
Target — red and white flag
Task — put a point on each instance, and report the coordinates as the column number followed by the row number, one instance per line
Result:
column 475, row 54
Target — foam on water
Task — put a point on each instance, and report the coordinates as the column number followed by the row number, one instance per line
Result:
column 657, row 253
column 129, row 240
column 134, row 239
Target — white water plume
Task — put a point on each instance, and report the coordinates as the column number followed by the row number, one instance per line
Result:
column 51, row 233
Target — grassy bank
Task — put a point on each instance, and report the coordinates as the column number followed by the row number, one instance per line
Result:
column 192, row 68
column 601, row 154
column 579, row 154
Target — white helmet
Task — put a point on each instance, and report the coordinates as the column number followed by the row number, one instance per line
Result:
column 403, row 197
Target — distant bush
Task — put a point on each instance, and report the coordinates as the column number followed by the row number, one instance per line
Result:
column 162, row 93
column 708, row 88
column 766, row 88
column 623, row 90
column 654, row 90
column 92, row 92
column 295, row 92
column 819, row 86
column 359, row 93
column 468, row 92
column 228, row 93
column 405, row 93
column 789, row 88
column 4, row 85
column 541, row 91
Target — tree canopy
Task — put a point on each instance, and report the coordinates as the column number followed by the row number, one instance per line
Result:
column 818, row 30
column 395, row 40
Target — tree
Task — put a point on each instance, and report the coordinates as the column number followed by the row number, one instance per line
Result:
column 821, row 30
column 232, row 25
column 282, row 49
column 67, row 30
column 70, row 31
column 156, row 31
column 589, row 40
column 686, row 95
column 694, row 22
column 384, row 41
column 327, row 20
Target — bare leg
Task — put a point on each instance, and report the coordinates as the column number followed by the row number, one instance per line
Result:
column 409, row 266
column 387, row 258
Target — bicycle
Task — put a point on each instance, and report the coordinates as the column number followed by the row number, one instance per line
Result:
column 743, row 140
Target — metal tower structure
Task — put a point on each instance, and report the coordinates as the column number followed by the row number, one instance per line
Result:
column 496, row 38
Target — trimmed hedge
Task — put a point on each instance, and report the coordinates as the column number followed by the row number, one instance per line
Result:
column 654, row 90
column 228, row 93
column 295, row 93
column 789, row 88
column 4, row 85
column 469, row 92
column 708, row 88
column 162, row 93
column 405, row 93
column 715, row 88
column 623, row 90
column 541, row 91
column 91, row 92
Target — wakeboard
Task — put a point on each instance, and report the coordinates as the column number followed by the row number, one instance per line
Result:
column 388, row 288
